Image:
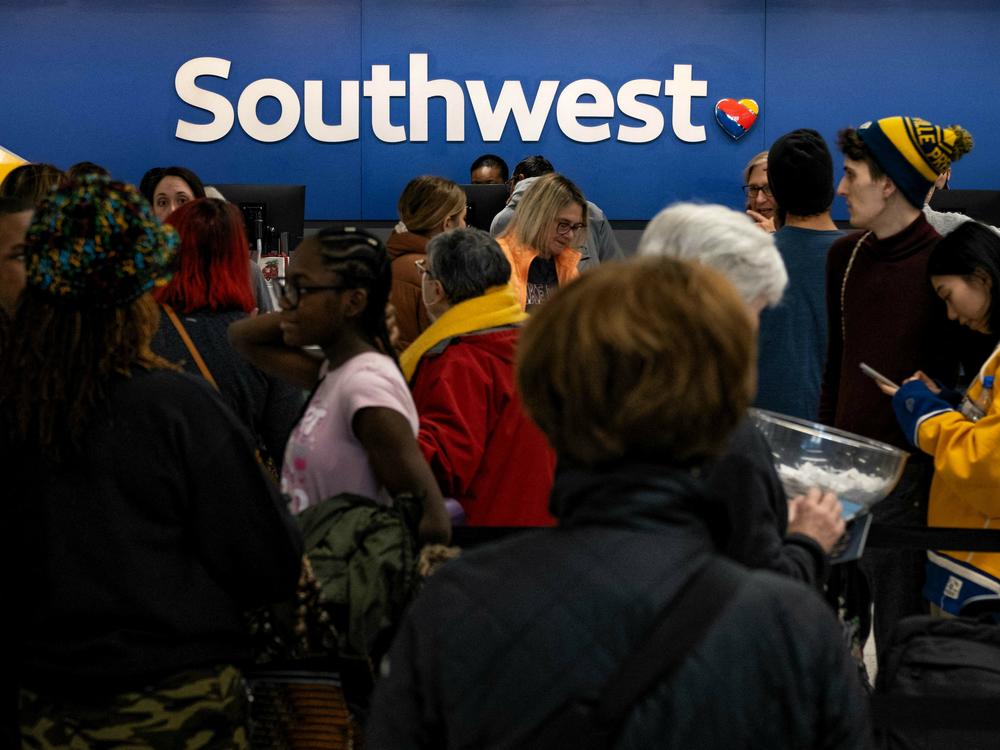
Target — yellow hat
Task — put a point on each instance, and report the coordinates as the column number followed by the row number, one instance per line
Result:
column 913, row 152
column 9, row 160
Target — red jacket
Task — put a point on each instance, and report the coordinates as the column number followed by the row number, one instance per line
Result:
column 475, row 435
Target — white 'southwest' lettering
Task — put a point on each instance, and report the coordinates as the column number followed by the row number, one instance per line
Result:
column 530, row 121
column 290, row 110
column 580, row 106
column 185, row 83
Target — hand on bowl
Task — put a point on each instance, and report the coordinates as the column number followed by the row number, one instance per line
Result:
column 817, row 515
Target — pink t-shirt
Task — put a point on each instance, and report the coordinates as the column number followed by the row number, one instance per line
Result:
column 324, row 457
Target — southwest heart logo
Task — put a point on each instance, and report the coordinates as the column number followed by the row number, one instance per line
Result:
column 736, row 117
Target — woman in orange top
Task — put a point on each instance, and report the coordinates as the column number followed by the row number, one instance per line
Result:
column 539, row 241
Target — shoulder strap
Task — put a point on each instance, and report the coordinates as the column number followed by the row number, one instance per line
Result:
column 192, row 349
column 679, row 627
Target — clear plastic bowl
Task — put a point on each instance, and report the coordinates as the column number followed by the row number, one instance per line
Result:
column 861, row 471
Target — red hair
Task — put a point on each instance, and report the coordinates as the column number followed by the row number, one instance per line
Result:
column 213, row 271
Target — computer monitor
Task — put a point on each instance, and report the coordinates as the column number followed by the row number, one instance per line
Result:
column 981, row 205
column 270, row 211
column 484, row 202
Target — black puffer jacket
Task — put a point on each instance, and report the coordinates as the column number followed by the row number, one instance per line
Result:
column 501, row 638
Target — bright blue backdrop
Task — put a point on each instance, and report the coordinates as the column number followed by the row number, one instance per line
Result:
column 95, row 81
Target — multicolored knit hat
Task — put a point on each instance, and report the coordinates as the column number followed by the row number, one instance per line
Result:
column 913, row 152
column 96, row 243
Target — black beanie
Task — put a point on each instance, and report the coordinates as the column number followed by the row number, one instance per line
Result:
column 800, row 173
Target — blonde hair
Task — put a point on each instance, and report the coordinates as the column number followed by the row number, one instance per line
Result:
column 649, row 359
column 428, row 201
column 539, row 207
column 759, row 159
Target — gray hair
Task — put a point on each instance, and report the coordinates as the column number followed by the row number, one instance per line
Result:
column 467, row 262
column 723, row 239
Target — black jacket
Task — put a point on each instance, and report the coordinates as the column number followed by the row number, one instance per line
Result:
column 267, row 406
column 137, row 559
column 502, row 637
column 754, row 512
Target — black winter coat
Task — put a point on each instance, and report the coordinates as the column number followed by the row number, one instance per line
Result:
column 502, row 637
column 136, row 559
column 753, row 522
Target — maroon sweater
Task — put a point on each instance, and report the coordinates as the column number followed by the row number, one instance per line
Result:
column 893, row 321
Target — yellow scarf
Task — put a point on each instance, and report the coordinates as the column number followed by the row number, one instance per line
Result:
column 497, row 307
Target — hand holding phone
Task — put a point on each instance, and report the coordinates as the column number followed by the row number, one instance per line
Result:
column 877, row 376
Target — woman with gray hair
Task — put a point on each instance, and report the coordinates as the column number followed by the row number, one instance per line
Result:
column 481, row 446
column 765, row 531
column 723, row 239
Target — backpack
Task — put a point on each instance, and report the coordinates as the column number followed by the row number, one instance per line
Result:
column 940, row 672
column 360, row 572
column 316, row 653
column 364, row 556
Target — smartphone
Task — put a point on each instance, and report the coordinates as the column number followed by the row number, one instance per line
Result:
column 852, row 544
column 877, row 376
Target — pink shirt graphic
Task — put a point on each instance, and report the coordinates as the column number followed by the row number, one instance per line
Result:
column 323, row 457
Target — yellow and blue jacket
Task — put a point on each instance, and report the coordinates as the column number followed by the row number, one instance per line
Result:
column 965, row 491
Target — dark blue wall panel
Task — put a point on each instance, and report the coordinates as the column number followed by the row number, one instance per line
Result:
column 96, row 81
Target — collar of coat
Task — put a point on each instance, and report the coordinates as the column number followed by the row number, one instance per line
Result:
column 496, row 307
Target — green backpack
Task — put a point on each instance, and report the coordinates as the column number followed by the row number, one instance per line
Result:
column 364, row 556
column 359, row 574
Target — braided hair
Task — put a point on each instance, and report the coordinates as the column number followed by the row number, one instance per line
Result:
column 361, row 260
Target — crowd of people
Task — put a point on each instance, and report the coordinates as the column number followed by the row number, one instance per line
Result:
column 163, row 428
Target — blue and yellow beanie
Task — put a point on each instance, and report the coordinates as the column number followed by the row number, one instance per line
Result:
column 94, row 242
column 913, row 152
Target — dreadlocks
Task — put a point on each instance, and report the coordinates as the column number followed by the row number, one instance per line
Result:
column 58, row 363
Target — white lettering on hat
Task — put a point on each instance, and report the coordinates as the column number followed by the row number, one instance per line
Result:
column 953, row 588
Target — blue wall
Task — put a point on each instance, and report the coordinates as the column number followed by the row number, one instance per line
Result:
column 95, row 81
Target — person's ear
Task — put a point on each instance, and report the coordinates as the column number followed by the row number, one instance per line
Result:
column 983, row 277
column 889, row 188
column 355, row 301
column 433, row 291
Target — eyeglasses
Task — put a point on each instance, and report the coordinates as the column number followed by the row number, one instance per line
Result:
column 565, row 227
column 291, row 292
column 750, row 191
column 422, row 267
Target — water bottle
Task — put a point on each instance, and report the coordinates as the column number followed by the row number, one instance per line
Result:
column 975, row 409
